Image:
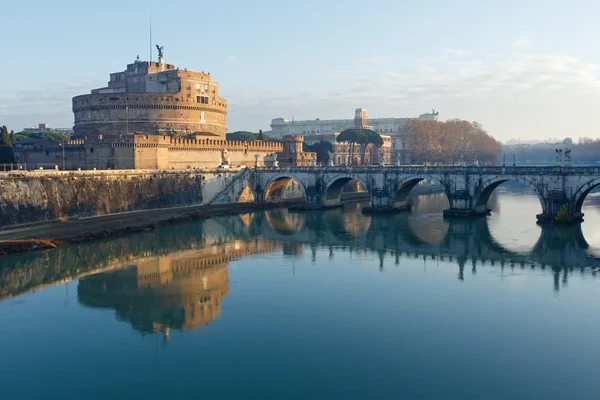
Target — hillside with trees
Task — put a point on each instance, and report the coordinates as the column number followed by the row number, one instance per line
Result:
column 48, row 135
column 443, row 142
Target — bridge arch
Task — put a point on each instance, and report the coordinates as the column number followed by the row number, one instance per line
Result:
column 284, row 187
column 283, row 222
column 487, row 187
column 406, row 185
column 334, row 186
column 582, row 193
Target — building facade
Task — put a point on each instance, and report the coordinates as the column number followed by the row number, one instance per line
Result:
column 154, row 98
column 281, row 126
column 343, row 152
column 44, row 127
column 396, row 147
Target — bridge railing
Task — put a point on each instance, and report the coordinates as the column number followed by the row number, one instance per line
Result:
column 496, row 170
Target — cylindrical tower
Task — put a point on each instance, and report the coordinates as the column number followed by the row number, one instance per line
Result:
column 152, row 98
column 292, row 144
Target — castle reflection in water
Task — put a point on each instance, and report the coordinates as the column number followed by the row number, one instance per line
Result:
column 176, row 277
column 181, row 291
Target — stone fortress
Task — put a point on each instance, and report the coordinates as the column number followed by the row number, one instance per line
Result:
column 154, row 98
column 151, row 116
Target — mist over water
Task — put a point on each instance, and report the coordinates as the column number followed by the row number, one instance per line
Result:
column 321, row 304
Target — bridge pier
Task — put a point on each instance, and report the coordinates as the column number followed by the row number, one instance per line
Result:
column 558, row 208
column 383, row 200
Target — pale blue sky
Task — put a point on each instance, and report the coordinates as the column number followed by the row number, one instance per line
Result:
column 523, row 69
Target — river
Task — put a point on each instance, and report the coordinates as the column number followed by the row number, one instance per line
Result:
column 318, row 304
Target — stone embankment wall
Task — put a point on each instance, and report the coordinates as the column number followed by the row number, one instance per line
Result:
column 33, row 197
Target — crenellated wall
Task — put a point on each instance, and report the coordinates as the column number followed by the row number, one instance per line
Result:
column 139, row 151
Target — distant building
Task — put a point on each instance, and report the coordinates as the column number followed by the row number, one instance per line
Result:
column 342, row 151
column 154, row 98
column 43, row 127
column 396, row 148
column 281, row 126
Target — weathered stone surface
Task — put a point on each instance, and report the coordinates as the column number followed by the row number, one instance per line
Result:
column 34, row 197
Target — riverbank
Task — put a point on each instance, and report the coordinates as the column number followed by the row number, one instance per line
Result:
column 79, row 230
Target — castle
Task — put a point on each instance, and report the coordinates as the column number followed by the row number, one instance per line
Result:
column 155, row 116
column 154, row 98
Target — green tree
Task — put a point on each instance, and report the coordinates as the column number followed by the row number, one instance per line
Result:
column 321, row 148
column 244, row 136
column 48, row 135
column 12, row 136
column 6, row 152
column 352, row 136
column 369, row 138
column 260, row 135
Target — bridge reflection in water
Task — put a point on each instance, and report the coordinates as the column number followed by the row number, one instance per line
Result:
column 176, row 277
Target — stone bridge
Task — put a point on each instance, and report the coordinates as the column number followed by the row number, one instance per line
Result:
column 468, row 188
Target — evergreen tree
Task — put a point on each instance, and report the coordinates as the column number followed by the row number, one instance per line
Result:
column 6, row 152
column 260, row 135
column 12, row 137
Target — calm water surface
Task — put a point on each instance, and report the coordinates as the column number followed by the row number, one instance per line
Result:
column 328, row 304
